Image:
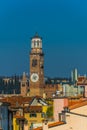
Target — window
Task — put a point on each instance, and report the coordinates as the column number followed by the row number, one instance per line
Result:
column 34, row 62
column 33, row 115
column 81, row 86
column 38, row 43
column 23, row 85
column 34, row 43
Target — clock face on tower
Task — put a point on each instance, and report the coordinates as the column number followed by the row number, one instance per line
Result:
column 34, row 77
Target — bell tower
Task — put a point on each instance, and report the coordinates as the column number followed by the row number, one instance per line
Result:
column 36, row 83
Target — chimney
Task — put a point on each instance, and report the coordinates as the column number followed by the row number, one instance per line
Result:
column 45, row 125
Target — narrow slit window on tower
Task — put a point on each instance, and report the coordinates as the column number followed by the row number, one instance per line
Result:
column 34, row 62
column 34, row 43
column 38, row 43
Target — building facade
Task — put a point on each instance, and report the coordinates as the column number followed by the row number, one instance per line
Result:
column 4, row 119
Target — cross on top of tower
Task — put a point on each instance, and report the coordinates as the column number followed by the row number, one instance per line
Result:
column 37, row 36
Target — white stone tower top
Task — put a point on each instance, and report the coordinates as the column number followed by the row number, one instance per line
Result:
column 36, row 42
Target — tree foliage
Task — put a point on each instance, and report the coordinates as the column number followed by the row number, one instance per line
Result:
column 49, row 112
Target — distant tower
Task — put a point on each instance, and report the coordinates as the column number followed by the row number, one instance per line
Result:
column 74, row 75
column 36, row 67
column 24, row 85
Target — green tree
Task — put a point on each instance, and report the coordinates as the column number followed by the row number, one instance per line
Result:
column 49, row 112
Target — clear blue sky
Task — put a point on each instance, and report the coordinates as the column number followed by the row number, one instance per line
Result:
column 61, row 23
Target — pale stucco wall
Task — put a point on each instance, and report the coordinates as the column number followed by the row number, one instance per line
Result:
column 60, row 127
column 73, row 121
column 81, row 110
column 76, row 122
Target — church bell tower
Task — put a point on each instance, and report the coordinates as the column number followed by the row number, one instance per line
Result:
column 36, row 82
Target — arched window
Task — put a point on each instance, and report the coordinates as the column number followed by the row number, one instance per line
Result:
column 38, row 43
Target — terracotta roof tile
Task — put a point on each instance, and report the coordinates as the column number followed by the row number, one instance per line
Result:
column 16, row 101
column 19, row 117
column 51, row 125
column 55, row 124
column 33, row 109
column 39, row 128
column 73, row 101
column 79, row 104
column 82, row 80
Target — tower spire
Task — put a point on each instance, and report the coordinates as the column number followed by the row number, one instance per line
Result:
column 36, row 36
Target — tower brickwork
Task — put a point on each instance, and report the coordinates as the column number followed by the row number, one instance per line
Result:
column 36, row 82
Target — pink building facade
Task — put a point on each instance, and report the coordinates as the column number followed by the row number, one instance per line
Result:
column 58, row 106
